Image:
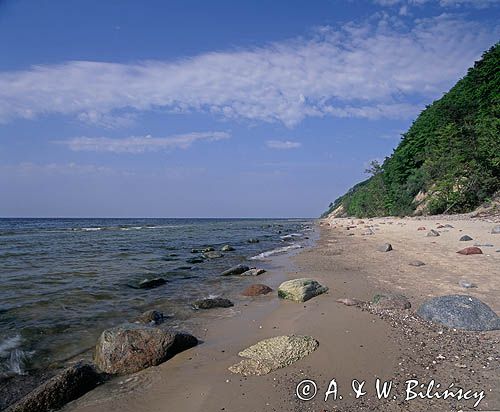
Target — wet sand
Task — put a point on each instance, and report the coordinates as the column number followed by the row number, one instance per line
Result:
column 354, row 343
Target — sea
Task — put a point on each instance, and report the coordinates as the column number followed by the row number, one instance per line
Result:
column 63, row 281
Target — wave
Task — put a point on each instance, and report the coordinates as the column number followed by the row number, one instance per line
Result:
column 277, row 251
column 14, row 359
column 291, row 236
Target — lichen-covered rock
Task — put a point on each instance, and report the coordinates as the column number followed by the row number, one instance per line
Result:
column 253, row 272
column 211, row 303
column 300, row 290
column 461, row 312
column 65, row 387
column 256, row 290
column 274, row 353
column 471, row 250
column 130, row 348
column 390, row 301
column 235, row 270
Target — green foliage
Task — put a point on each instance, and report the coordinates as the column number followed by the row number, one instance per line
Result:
column 450, row 155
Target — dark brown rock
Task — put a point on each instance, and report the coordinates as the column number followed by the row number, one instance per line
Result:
column 256, row 290
column 151, row 283
column 65, row 387
column 471, row 250
column 130, row 348
column 211, row 303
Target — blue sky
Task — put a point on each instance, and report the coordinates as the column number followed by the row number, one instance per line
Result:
column 220, row 108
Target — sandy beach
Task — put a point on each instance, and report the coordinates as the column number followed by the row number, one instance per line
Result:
column 355, row 342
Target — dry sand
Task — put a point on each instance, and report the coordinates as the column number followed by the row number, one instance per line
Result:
column 355, row 343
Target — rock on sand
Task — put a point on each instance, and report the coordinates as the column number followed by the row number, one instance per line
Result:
column 211, row 303
column 386, row 247
column 130, row 348
column 66, row 386
column 300, row 290
column 274, row 353
column 461, row 312
column 253, row 272
column 390, row 301
column 256, row 290
column 465, row 238
column 433, row 233
column 471, row 250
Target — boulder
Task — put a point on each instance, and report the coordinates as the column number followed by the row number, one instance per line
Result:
column 461, row 312
column 465, row 238
column 151, row 283
column 195, row 260
column 253, row 272
column 496, row 230
column 211, row 303
column 416, row 263
column 150, row 317
column 271, row 354
column 65, row 387
column 386, row 247
column 471, row 250
column 390, row 301
column 300, row 290
column 256, row 290
column 130, row 348
column 212, row 255
column 253, row 240
column 433, row 233
column 235, row 270
column 227, row 248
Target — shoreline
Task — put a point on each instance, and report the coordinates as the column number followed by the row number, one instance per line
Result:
column 355, row 343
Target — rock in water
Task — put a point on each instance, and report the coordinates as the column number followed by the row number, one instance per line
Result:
column 386, row 247
column 150, row 317
column 195, row 260
column 391, row 301
column 256, row 290
column 433, row 233
column 472, row 250
column 253, row 240
column 496, row 230
column 271, row 354
column 416, row 263
column 65, row 387
column 212, row 255
column 461, row 312
column 227, row 248
column 465, row 238
column 253, row 272
column 211, row 303
column 300, row 290
column 235, row 270
column 130, row 348
column 207, row 249
column 151, row 283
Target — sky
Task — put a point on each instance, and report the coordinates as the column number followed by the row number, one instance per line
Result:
column 215, row 108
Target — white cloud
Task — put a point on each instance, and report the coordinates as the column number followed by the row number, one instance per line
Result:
column 282, row 144
column 74, row 169
column 140, row 144
column 378, row 68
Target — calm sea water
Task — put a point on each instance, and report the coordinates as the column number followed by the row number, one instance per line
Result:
column 62, row 281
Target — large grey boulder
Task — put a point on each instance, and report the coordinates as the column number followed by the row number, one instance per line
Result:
column 130, row 347
column 300, row 290
column 274, row 353
column 65, row 387
column 390, row 301
column 235, row 270
column 461, row 312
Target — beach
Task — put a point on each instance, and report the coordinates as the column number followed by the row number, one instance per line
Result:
column 355, row 342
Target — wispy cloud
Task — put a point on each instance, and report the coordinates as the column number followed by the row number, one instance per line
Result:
column 479, row 4
column 282, row 144
column 52, row 169
column 382, row 67
column 140, row 144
